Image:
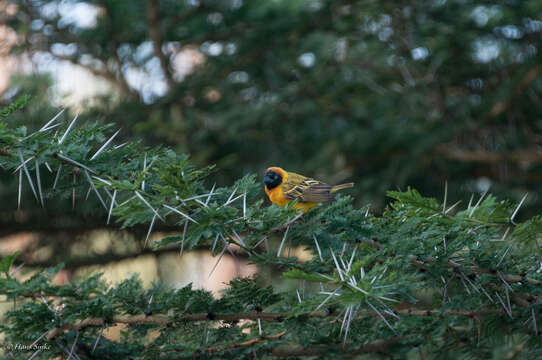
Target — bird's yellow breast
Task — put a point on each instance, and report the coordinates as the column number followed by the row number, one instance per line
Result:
column 277, row 197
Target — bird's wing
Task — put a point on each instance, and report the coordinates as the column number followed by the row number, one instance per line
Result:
column 305, row 189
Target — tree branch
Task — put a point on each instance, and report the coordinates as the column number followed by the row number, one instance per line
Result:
column 163, row 320
column 502, row 106
column 478, row 270
column 154, row 33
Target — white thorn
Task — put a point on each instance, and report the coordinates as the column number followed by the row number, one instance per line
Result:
column 470, row 201
column 28, row 175
column 508, row 300
column 68, row 129
column 201, row 203
column 214, row 245
column 76, row 163
column 503, row 305
column 51, row 127
column 282, row 242
column 95, row 190
column 38, row 180
column 73, row 345
column 233, row 192
column 104, row 146
column 478, row 203
column 106, row 182
column 503, row 255
column 97, row 340
column 318, row 247
column 111, row 206
column 150, row 230
column 88, row 192
column 238, row 237
column 22, row 164
column 180, row 213
column 44, row 127
column 38, row 339
column 210, row 194
column 127, row 201
column 445, row 196
column 119, row 146
column 259, row 242
column 517, row 209
column 485, row 292
column 16, row 269
column 451, row 207
column 219, row 258
column 34, row 354
column 144, row 168
column 337, row 264
column 327, row 298
column 245, row 205
column 505, row 233
column 379, row 314
column 226, row 244
column 57, row 176
column 351, row 260
column 20, row 189
column 148, row 205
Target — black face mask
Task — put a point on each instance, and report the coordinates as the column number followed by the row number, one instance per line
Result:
column 271, row 179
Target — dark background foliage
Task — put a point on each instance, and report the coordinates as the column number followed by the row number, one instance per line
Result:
column 383, row 94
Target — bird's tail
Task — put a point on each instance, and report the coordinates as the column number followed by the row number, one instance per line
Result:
column 336, row 188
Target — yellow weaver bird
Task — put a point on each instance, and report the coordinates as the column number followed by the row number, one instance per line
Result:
column 282, row 186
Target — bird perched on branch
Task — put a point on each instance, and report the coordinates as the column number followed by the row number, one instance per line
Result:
column 282, row 186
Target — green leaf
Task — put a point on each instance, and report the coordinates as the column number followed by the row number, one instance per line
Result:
column 529, row 230
column 18, row 104
column 301, row 275
column 7, row 262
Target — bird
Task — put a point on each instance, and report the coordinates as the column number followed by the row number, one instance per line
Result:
column 282, row 186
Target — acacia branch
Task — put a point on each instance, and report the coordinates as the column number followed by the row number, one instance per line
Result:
column 213, row 349
column 476, row 269
column 164, row 320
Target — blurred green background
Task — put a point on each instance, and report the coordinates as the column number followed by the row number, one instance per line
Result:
column 387, row 94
